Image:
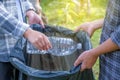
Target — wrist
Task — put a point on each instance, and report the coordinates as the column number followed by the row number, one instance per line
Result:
column 97, row 24
column 94, row 52
column 30, row 12
column 93, row 25
column 27, row 33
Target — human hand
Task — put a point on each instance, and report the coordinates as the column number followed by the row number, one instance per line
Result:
column 38, row 8
column 87, row 27
column 34, row 18
column 39, row 40
column 87, row 58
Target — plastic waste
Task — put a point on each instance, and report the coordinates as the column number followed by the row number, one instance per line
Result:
column 60, row 47
column 37, row 66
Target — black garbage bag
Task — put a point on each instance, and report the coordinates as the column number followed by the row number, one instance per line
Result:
column 57, row 62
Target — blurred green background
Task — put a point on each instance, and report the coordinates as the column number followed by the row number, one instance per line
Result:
column 71, row 13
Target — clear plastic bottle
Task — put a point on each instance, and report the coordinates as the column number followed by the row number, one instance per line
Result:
column 60, row 47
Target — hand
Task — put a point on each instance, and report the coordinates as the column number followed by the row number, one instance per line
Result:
column 87, row 58
column 39, row 40
column 34, row 18
column 38, row 8
column 87, row 27
column 90, row 27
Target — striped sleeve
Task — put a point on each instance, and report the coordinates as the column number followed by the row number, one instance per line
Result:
column 28, row 6
column 116, row 36
column 10, row 24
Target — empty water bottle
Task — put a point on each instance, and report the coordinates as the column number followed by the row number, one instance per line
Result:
column 60, row 47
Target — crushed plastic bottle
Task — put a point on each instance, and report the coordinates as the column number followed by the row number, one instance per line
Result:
column 60, row 47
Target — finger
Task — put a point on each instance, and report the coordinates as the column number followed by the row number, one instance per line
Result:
column 38, row 46
column 77, row 29
column 42, row 23
column 83, row 67
column 39, row 42
column 42, row 43
column 78, row 61
column 47, row 43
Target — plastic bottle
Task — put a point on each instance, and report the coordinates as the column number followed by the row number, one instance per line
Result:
column 60, row 47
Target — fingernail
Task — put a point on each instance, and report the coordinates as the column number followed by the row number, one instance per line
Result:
column 75, row 64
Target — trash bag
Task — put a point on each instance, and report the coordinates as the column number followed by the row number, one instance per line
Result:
column 55, row 63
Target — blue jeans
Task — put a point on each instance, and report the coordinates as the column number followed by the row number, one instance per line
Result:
column 7, row 72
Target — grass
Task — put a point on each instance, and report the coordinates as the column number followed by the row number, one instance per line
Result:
column 67, row 14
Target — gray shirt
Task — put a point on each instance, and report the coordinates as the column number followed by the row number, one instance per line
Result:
column 110, row 62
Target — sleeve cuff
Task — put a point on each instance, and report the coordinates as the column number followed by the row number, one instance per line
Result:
column 29, row 6
column 115, row 37
column 19, row 31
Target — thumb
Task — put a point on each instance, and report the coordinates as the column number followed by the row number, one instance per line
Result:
column 83, row 67
column 77, row 28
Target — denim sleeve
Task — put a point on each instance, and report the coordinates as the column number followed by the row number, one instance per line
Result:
column 115, row 37
column 10, row 24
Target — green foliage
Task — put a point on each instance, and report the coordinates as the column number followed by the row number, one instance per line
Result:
column 69, row 14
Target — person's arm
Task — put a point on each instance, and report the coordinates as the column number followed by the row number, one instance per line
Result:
column 10, row 24
column 90, row 27
column 33, row 18
column 38, row 7
column 88, row 58
column 37, row 1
